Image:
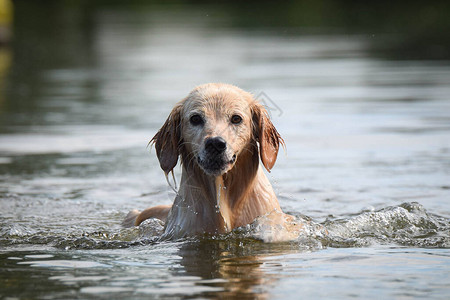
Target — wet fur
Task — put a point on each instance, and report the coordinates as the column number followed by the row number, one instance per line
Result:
column 207, row 203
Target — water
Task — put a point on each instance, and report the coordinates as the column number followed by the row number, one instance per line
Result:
column 84, row 88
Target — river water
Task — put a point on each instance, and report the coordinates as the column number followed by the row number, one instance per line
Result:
column 368, row 157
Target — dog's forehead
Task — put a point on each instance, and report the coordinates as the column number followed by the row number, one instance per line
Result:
column 217, row 100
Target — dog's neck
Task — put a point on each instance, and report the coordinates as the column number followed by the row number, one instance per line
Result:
column 219, row 204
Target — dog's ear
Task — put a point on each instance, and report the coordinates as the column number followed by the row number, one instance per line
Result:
column 267, row 135
column 168, row 139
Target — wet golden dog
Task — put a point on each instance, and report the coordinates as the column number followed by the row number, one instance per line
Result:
column 219, row 132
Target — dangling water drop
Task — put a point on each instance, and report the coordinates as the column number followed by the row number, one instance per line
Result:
column 217, row 206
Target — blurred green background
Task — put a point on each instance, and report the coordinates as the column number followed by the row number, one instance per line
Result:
column 38, row 36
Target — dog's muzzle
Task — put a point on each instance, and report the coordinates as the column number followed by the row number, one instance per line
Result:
column 214, row 159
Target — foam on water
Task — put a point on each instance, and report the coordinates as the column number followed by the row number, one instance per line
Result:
column 408, row 225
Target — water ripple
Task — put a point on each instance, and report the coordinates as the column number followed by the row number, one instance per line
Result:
column 408, row 224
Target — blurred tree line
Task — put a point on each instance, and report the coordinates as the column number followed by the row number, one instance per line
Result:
column 417, row 29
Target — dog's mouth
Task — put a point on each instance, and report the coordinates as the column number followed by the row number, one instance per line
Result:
column 215, row 165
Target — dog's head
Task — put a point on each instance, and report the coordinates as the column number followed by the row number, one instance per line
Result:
column 212, row 126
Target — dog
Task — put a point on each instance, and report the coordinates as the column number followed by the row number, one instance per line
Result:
column 220, row 133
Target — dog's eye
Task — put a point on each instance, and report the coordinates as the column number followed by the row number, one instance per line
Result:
column 236, row 119
column 196, row 120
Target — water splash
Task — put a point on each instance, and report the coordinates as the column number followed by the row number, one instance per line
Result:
column 276, row 227
column 408, row 224
column 77, row 238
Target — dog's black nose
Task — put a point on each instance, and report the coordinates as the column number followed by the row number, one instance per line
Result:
column 217, row 143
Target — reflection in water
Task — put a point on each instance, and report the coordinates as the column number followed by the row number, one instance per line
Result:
column 6, row 12
column 279, row 271
column 238, row 262
column 6, row 18
column 5, row 62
